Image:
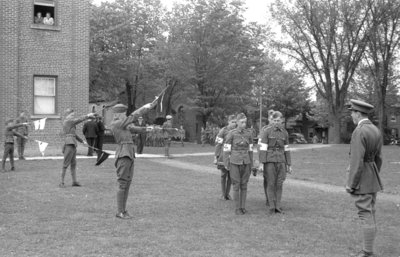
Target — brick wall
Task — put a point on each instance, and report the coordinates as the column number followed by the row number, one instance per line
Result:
column 61, row 51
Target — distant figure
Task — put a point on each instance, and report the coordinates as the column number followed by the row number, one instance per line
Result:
column 315, row 139
column 48, row 20
column 9, row 134
column 141, row 136
column 167, row 138
column 90, row 130
column 100, row 136
column 39, row 18
column 23, row 130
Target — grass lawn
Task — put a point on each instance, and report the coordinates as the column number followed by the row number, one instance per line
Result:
column 177, row 212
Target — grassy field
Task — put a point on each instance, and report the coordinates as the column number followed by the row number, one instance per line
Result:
column 177, row 212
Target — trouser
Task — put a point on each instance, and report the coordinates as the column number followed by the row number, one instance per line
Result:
column 99, row 145
column 240, row 175
column 21, row 142
column 265, row 184
column 91, row 141
column 141, row 139
column 276, row 175
column 8, row 152
column 365, row 204
column 225, row 182
column 125, row 166
column 69, row 160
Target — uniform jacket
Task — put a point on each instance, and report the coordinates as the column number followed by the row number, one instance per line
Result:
column 219, row 144
column 141, row 134
column 23, row 130
column 365, row 159
column 69, row 128
column 100, row 128
column 274, row 145
column 122, row 130
column 10, row 132
column 90, row 129
column 167, row 125
column 238, row 147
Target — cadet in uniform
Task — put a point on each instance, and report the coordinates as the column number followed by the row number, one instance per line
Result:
column 363, row 181
column 219, row 160
column 70, row 143
column 122, row 128
column 275, row 156
column 167, row 138
column 141, row 136
column 23, row 130
column 9, row 134
column 238, row 159
column 265, row 183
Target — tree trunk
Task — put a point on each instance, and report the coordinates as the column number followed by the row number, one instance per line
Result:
column 128, row 90
column 334, row 131
column 382, row 121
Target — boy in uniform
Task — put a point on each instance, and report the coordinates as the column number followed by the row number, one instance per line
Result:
column 9, row 134
column 238, row 159
column 275, row 155
column 219, row 160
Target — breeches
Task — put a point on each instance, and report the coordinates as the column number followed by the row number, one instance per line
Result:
column 240, row 175
column 69, row 156
column 366, row 208
column 275, row 173
column 124, row 172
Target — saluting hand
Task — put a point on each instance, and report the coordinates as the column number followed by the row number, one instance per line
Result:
column 349, row 190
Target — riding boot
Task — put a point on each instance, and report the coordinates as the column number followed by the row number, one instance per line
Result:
column 243, row 195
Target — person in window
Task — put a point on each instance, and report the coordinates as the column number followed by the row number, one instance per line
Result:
column 48, row 20
column 39, row 18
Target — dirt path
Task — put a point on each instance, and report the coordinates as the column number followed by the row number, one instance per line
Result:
column 292, row 182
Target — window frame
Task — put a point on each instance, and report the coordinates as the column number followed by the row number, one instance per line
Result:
column 55, row 114
column 47, row 3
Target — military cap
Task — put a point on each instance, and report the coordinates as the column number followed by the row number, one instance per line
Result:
column 360, row 106
column 68, row 111
column 241, row 116
column 168, row 117
column 231, row 117
column 119, row 108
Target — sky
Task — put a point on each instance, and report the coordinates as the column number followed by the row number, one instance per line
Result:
column 257, row 9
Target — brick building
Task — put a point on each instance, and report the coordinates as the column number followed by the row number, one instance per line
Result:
column 44, row 68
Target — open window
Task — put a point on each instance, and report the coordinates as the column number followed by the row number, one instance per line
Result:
column 44, row 12
column 44, row 95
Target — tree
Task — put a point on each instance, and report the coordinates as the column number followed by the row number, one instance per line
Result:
column 124, row 34
column 328, row 38
column 211, row 51
column 382, row 46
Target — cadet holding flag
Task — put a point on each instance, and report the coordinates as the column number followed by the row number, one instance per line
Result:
column 363, row 180
column 122, row 128
column 238, row 159
column 9, row 134
column 275, row 157
column 219, row 160
column 70, row 143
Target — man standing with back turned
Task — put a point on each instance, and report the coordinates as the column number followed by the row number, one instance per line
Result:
column 363, row 181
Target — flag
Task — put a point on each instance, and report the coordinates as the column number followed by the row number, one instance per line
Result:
column 42, row 123
column 39, row 124
column 163, row 102
column 42, row 146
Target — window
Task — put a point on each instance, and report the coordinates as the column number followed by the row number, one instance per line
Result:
column 393, row 118
column 44, row 95
column 44, row 12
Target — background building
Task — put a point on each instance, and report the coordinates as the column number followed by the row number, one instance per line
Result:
column 44, row 69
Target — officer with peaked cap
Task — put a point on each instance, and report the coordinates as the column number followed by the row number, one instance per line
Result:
column 70, row 143
column 122, row 128
column 363, row 180
column 238, row 159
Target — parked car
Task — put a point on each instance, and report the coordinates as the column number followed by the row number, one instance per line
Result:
column 297, row 138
